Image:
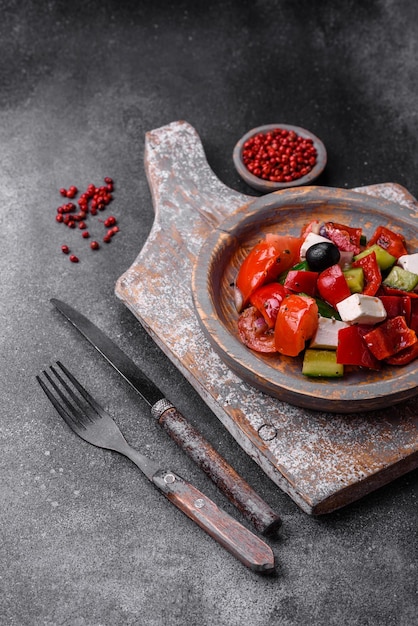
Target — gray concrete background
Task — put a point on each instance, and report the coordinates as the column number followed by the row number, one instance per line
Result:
column 85, row 540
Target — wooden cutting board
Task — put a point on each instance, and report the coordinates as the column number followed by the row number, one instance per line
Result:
column 323, row 461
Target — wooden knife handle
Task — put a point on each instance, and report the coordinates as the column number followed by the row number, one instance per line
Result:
column 228, row 532
column 239, row 492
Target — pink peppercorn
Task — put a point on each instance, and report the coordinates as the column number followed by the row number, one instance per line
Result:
column 279, row 155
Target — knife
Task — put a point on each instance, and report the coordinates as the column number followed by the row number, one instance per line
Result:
column 239, row 492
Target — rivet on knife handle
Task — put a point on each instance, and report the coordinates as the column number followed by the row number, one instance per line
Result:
column 239, row 492
column 228, row 532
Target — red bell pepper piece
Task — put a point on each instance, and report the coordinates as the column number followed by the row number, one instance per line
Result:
column 405, row 356
column 267, row 299
column 388, row 240
column 413, row 320
column 371, row 272
column 332, row 285
column 353, row 350
column 395, row 306
column 391, row 291
column 346, row 238
column 301, row 281
column 390, row 337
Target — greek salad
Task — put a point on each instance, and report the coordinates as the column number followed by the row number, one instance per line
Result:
column 333, row 296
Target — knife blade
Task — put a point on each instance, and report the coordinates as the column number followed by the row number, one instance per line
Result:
column 230, row 483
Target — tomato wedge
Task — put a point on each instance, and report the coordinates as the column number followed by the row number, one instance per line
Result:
column 296, row 322
column 267, row 299
column 254, row 332
column 269, row 258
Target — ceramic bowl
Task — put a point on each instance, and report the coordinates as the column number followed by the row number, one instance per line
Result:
column 268, row 186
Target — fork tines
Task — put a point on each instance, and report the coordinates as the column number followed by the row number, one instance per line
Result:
column 66, row 401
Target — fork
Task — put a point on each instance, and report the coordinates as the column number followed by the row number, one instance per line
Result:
column 92, row 423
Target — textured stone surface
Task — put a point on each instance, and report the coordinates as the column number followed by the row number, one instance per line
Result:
column 85, row 539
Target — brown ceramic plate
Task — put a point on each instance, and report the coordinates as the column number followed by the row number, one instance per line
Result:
column 216, row 268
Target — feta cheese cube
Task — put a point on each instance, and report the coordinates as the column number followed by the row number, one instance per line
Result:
column 310, row 240
column 361, row 309
column 409, row 262
column 326, row 336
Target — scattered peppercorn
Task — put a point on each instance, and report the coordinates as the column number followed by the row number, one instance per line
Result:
column 279, row 155
column 92, row 200
column 110, row 221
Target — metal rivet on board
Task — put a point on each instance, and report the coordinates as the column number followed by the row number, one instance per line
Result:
column 199, row 503
column 267, row 432
column 169, row 478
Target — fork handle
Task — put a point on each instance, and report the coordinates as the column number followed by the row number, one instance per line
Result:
column 228, row 532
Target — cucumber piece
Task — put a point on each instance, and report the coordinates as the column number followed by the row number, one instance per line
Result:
column 355, row 279
column 383, row 258
column 322, row 364
column 398, row 278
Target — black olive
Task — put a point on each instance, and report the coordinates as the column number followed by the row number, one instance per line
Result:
column 322, row 255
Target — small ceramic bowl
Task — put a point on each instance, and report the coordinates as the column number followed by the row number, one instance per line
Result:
column 268, row 186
